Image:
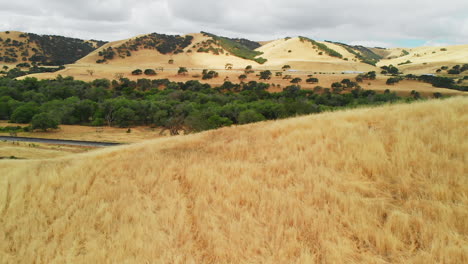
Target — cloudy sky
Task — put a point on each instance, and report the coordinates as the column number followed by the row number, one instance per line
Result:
column 369, row 22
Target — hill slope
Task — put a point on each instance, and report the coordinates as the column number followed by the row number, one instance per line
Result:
column 19, row 47
column 301, row 190
column 426, row 59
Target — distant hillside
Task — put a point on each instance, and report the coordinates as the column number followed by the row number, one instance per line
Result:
column 237, row 47
column 425, row 60
column 375, row 185
column 362, row 53
column 164, row 44
column 18, row 47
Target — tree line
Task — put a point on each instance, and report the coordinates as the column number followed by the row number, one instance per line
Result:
column 190, row 106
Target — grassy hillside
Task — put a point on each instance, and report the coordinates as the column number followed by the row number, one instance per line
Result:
column 362, row 53
column 164, row 44
column 237, row 48
column 381, row 185
column 18, row 47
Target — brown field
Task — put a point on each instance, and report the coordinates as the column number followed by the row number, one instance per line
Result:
column 26, row 150
column 88, row 133
column 325, row 79
column 372, row 185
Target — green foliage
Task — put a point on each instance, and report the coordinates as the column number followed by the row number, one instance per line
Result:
column 209, row 74
column 182, row 70
column 392, row 80
column 24, row 113
column 404, row 53
column 296, row 80
column 58, row 50
column 367, row 76
column 364, row 54
column 44, row 121
column 137, row 72
column 163, row 43
column 312, row 80
column 265, row 75
column 329, row 51
column 190, row 106
column 390, row 70
column 237, row 48
column 406, row 62
column 442, row 82
column 250, row 116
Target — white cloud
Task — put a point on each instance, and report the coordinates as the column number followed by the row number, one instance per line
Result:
column 358, row 21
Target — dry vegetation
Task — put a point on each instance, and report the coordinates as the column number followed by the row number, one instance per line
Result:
column 382, row 185
column 26, row 150
column 88, row 133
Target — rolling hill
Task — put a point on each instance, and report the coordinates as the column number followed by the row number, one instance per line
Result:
column 380, row 185
column 423, row 60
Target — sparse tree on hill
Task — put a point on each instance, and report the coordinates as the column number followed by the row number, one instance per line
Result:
column 265, row 75
column 242, row 77
column 296, row 80
column 182, row 71
column 248, row 69
column 286, row 67
column 90, row 72
column 137, row 72
column 150, row 72
column 279, row 74
column 228, row 66
column 171, row 61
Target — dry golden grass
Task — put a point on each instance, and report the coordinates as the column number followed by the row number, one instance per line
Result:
column 380, row 185
column 88, row 133
column 26, row 150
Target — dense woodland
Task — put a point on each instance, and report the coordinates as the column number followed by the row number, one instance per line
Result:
column 45, row 49
column 189, row 106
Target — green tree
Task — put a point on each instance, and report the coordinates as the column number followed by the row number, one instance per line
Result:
column 150, row 72
column 182, row 71
column 137, row 72
column 265, row 75
column 242, row 77
column 124, row 116
column 44, row 121
column 312, row 80
column 296, row 80
column 24, row 113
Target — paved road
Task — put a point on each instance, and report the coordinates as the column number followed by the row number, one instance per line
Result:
column 60, row 142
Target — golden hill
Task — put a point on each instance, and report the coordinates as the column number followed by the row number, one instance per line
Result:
column 426, row 59
column 380, row 185
column 302, row 55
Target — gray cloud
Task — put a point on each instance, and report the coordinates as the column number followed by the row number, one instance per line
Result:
column 358, row 21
